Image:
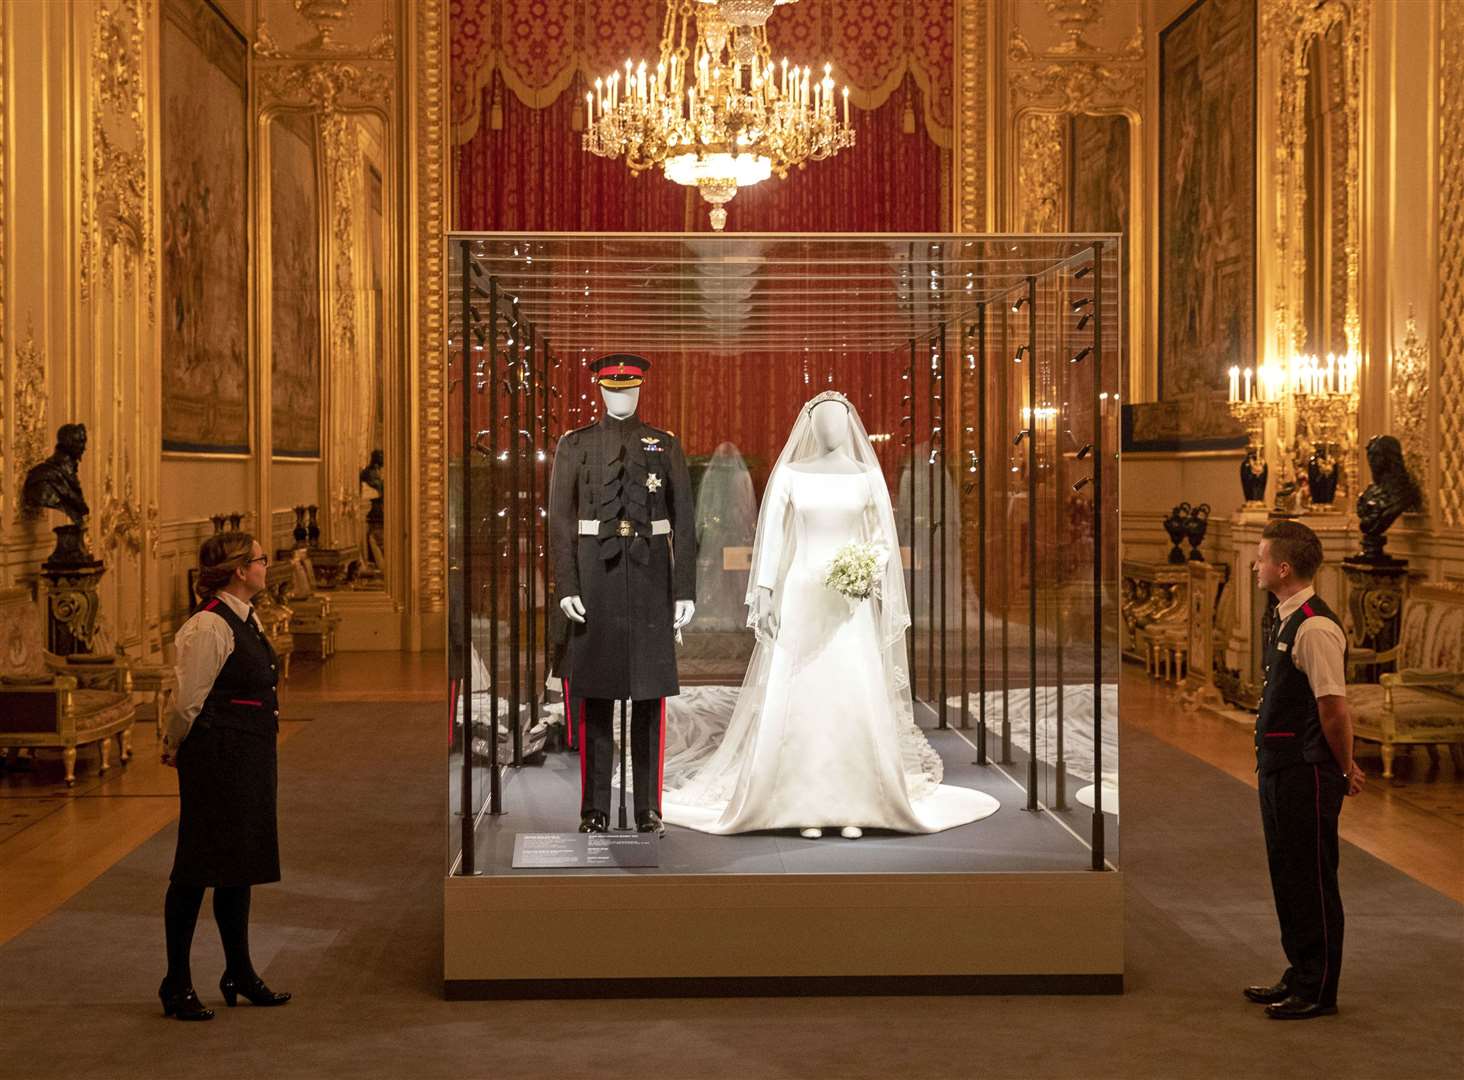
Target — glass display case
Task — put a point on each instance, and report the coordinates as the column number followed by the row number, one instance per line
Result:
column 980, row 376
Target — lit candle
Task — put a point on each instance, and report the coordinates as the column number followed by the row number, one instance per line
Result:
column 1331, row 363
column 846, row 106
column 600, row 95
column 784, row 88
column 1247, row 384
column 1234, row 371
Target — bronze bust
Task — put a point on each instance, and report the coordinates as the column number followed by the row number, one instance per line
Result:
column 1391, row 494
column 54, row 485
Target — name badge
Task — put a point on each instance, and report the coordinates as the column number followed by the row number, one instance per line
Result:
column 1280, row 646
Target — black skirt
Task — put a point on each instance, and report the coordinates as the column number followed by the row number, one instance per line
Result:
column 227, row 829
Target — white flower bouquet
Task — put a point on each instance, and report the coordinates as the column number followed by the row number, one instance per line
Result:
column 856, row 569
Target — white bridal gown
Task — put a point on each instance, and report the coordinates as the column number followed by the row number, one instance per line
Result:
column 823, row 745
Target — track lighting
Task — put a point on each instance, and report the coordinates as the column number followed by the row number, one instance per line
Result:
column 1081, row 484
column 1080, row 303
column 1085, row 451
column 1020, row 350
column 1081, row 355
column 1083, row 271
column 1085, row 320
column 1021, row 435
column 1018, row 303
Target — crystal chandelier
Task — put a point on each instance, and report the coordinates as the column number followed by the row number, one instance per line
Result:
column 716, row 113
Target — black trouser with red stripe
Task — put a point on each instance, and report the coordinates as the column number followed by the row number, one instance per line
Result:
column 596, row 736
column 1299, row 809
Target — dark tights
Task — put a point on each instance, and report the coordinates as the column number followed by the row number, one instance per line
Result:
column 180, row 916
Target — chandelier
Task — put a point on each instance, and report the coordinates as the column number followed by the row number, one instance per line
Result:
column 716, row 113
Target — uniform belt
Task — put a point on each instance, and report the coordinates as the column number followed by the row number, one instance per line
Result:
column 622, row 527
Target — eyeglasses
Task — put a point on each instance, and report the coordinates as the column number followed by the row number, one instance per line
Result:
column 263, row 560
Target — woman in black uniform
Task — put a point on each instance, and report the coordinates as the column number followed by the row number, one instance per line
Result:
column 221, row 738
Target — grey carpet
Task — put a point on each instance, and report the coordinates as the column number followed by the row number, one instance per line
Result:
column 355, row 930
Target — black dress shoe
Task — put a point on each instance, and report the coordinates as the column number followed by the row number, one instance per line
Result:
column 650, row 821
column 594, row 821
column 183, row 1004
column 1295, row 1008
column 1267, row 995
column 252, row 989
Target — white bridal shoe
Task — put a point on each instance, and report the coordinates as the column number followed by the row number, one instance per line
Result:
column 851, row 832
column 810, row 834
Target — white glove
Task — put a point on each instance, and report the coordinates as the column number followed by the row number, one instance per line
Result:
column 685, row 609
column 573, row 609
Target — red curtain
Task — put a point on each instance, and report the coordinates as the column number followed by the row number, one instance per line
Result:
column 751, row 399
column 532, row 175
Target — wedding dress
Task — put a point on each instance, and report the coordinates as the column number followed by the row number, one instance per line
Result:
column 822, row 732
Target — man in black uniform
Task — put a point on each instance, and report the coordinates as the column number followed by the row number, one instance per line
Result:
column 622, row 542
column 1304, row 758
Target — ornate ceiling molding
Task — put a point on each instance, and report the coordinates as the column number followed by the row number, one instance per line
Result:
column 1076, row 77
column 328, row 85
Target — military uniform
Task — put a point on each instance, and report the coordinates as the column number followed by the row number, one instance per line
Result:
column 622, row 538
column 1301, row 790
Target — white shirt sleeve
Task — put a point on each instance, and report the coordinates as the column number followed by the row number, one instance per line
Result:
column 774, row 509
column 1319, row 651
column 203, row 644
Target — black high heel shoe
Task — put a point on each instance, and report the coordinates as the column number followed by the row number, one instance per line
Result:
column 251, row 989
column 183, row 1004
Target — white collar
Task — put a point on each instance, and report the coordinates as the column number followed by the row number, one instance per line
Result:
column 1289, row 606
column 241, row 608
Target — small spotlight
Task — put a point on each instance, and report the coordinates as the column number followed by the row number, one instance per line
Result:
column 1085, row 451
column 1018, row 303
column 1081, row 484
column 1083, row 271
column 1080, row 303
column 1081, row 355
column 1085, row 320
column 1020, row 436
column 1020, row 350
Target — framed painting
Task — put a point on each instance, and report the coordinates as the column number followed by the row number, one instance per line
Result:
column 1207, row 224
column 205, row 242
column 295, row 287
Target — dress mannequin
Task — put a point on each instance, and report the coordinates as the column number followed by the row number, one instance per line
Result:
column 830, row 428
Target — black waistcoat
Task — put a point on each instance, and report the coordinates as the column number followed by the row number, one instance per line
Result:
column 244, row 693
column 1288, row 727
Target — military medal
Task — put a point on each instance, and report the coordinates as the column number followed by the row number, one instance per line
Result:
column 653, row 482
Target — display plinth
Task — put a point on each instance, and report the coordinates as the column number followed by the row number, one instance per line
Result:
column 694, row 935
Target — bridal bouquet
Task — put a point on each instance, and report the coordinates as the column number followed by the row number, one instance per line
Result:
column 856, row 569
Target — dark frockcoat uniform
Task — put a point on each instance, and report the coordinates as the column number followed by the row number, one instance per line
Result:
column 631, row 481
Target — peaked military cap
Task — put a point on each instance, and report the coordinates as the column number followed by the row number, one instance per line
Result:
column 620, row 371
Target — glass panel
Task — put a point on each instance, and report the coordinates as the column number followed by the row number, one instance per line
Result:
column 977, row 367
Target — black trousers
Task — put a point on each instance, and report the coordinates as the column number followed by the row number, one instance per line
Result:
column 596, row 737
column 1299, row 809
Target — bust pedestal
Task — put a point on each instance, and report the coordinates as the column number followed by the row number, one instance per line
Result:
column 72, row 602
column 1374, row 608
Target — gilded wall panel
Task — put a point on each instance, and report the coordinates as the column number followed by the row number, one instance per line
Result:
column 430, row 147
column 972, row 29
column 1451, row 266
